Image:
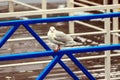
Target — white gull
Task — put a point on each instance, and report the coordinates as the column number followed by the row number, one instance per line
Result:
column 60, row 38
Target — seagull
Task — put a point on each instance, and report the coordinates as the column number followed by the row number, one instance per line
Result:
column 60, row 38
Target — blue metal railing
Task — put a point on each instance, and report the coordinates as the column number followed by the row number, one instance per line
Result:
column 49, row 52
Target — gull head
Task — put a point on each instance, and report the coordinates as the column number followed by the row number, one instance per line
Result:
column 52, row 29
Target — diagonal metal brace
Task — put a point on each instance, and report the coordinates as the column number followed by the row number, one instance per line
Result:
column 49, row 67
column 81, row 67
column 8, row 34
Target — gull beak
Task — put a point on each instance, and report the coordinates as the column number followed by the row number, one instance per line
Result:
column 52, row 29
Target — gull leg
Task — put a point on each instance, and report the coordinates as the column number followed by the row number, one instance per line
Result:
column 58, row 48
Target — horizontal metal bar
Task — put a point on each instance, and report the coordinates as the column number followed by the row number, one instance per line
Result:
column 26, row 55
column 45, row 37
column 63, row 51
column 114, row 31
column 64, row 60
column 47, row 61
column 89, row 25
column 89, row 33
column 75, row 34
column 115, row 55
column 60, row 19
column 56, row 11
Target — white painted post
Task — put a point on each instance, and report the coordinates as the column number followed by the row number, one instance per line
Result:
column 71, row 23
column 107, row 40
column 115, row 24
column 107, row 53
column 44, row 7
column 11, row 6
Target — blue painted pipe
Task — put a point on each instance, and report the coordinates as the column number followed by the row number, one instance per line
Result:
column 50, row 66
column 63, row 51
column 26, row 55
column 60, row 19
column 8, row 35
column 81, row 67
